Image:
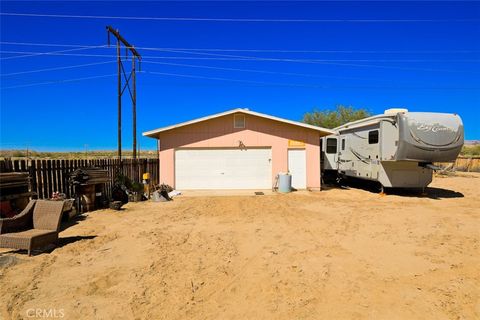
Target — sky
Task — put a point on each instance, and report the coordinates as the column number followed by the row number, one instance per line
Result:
column 200, row 58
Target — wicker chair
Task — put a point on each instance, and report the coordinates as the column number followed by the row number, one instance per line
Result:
column 19, row 222
column 45, row 220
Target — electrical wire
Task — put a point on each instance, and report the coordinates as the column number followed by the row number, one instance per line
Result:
column 255, row 71
column 308, row 51
column 252, row 58
column 305, row 85
column 56, row 68
column 324, row 61
column 50, row 44
column 18, row 14
column 59, row 81
column 33, row 54
column 265, row 83
column 228, row 57
column 246, row 50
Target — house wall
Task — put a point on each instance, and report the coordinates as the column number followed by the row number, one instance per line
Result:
column 258, row 132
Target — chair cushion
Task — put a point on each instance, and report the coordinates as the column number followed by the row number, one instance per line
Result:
column 27, row 234
column 29, row 239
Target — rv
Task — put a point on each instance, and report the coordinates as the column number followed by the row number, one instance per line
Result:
column 396, row 149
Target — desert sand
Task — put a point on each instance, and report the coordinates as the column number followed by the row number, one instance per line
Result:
column 335, row 254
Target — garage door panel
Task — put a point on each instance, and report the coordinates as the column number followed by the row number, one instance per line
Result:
column 223, row 169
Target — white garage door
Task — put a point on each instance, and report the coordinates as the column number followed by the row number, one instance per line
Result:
column 297, row 163
column 223, row 169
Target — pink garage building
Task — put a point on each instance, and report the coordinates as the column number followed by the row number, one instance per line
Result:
column 238, row 149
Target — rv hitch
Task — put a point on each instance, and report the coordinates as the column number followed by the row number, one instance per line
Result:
column 429, row 165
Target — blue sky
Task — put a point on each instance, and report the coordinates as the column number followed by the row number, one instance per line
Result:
column 427, row 59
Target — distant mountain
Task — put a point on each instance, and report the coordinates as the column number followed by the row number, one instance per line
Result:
column 472, row 142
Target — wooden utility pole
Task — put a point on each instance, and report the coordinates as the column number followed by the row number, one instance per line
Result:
column 119, row 99
column 134, row 108
column 133, row 91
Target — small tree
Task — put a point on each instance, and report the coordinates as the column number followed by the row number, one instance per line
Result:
column 334, row 118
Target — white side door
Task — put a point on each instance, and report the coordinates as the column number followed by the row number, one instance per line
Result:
column 297, row 166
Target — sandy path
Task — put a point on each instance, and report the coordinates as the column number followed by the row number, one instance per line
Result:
column 348, row 254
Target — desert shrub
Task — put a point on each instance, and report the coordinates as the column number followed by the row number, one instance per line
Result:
column 471, row 150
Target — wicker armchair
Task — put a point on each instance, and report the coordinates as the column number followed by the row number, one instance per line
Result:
column 19, row 222
column 45, row 220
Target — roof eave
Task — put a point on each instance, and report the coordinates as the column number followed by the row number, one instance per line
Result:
column 156, row 132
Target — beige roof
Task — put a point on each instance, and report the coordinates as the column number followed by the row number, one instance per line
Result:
column 154, row 133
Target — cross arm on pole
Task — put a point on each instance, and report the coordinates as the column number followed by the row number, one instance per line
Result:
column 132, row 49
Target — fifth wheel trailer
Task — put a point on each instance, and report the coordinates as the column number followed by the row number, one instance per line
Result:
column 396, row 149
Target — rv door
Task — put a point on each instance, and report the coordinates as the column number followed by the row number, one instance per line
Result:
column 331, row 157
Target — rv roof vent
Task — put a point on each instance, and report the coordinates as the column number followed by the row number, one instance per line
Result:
column 395, row 111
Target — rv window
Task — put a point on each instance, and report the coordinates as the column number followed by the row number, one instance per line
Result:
column 343, row 144
column 373, row 137
column 331, row 145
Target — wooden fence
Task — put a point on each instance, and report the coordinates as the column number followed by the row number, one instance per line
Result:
column 468, row 164
column 48, row 176
column 464, row 163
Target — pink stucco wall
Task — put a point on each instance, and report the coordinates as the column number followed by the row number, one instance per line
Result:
column 258, row 132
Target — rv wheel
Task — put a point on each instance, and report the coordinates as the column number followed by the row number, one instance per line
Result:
column 383, row 190
column 330, row 177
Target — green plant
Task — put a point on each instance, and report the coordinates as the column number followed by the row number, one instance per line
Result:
column 473, row 150
column 121, row 179
column 334, row 118
column 137, row 187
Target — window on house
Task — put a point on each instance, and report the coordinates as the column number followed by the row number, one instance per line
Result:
column 373, row 137
column 331, row 145
column 239, row 121
column 343, row 144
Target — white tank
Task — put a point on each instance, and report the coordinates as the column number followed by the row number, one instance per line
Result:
column 284, row 182
column 395, row 111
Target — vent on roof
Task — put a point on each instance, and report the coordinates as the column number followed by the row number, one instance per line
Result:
column 239, row 121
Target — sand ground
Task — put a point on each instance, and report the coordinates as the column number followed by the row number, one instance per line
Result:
column 335, row 254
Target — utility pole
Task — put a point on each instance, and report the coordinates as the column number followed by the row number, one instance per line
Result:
column 133, row 91
column 134, row 108
column 119, row 98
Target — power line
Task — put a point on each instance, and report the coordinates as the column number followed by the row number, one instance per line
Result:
column 257, row 71
column 195, row 66
column 252, row 58
column 54, row 53
column 218, row 78
column 56, row 68
column 226, row 57
column 324, row 61
column 50, row 44
column 317, row 60
column 33, row 54
column 226, row 19
column 58, row 81
column 246, row 50
column 320, row 86
column 309, row 51
column 305, row 85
